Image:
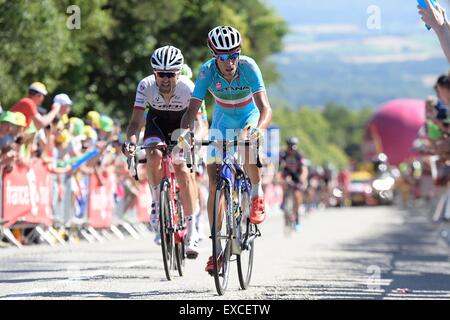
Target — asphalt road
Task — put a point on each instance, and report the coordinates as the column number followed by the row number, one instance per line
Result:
column 355, row 253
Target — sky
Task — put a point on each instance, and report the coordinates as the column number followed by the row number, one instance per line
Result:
column 393, row 28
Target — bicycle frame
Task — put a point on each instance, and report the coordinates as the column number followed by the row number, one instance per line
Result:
column 168, row 176
column 239, row 234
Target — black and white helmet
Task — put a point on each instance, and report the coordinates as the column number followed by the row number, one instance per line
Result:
column 224, row 39
column 167, row 58
column 292, row 141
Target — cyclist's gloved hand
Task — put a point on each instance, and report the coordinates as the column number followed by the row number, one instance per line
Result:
column 128, row 148
column 254, row 133
column 184, row 140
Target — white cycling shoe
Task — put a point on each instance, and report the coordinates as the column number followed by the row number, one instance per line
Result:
column 157, row 239
column 192, row 248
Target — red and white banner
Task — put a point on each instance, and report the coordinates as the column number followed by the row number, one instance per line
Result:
column 101, row 202
column 273, row 195
column 26, row 194
column 144, row 202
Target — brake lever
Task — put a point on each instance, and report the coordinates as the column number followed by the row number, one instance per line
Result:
column 132, row 167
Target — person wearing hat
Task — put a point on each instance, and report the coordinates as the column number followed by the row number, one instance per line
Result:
column 93, row 119
column 29, row 106
column 65, row 102
column 76, row 130
column 106, row 126
column 12, row 125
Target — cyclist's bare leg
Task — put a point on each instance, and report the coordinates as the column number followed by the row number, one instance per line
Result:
column 257, row 212
column 154, row 168
column 187, row 186
column 188, row 195
column 298, row 200
column 199, row 207
column 253, row 172
column 154, row 174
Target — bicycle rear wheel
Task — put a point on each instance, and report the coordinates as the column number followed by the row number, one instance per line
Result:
column 166, row 230
column 221, row 239
column 247, row 233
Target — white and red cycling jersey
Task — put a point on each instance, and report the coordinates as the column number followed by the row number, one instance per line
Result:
column 163, row 118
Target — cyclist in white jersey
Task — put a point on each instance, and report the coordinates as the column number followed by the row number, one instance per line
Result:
column 200, row 132
column 166, row 94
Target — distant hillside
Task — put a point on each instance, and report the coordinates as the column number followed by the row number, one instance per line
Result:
column 331, row 55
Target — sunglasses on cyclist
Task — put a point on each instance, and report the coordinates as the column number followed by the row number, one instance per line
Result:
column 227, row 56
column 163, row 74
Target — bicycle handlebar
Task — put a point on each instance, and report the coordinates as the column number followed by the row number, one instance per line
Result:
column 225, row 143
column 133, row 161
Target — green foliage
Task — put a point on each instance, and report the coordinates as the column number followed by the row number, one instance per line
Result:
column 332, row 135
column 34, row 46
column 100, row 64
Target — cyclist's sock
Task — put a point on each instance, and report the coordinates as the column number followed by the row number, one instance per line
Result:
column 190, row 223
column 197, row 209
column 257, row 190
column 155, row 193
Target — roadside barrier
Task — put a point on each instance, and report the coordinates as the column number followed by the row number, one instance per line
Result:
column 37, row 206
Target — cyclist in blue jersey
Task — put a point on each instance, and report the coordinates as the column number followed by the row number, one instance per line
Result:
column 241, row 106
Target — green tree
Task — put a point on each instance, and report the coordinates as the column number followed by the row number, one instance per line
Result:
column 100, row 64
column 34, row 46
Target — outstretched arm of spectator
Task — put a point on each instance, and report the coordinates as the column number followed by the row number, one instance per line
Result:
column 43, row 121
column 436, row 19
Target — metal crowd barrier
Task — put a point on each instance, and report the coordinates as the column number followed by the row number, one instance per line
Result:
column 68, row 208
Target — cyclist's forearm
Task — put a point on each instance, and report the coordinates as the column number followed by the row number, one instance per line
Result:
column 265, row 118
column 133, row 132
column 187, row 122
column 262, row 102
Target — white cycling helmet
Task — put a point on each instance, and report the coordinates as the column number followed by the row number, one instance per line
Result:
column 167, row 58
column 224, row 39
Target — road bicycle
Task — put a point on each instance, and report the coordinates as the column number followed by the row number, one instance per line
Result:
column 172, row 226
column 232, row 233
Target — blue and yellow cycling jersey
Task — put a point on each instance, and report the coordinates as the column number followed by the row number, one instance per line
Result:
column 234, row 107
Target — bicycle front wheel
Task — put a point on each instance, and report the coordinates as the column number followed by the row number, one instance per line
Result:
column 247, row 234
column 221, row 239
column 166, row 230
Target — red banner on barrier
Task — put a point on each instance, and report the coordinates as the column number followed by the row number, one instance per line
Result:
column 273, row 195
column 27, row 194
column 144, row 202
column 100, row 202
